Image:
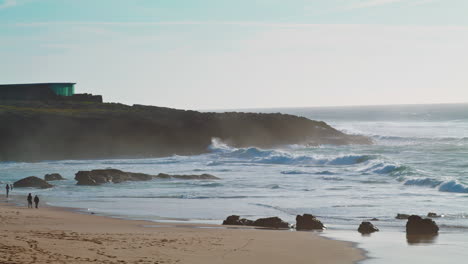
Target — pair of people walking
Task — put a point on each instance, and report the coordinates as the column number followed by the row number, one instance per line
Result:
column 8, row 188
column 30, row 201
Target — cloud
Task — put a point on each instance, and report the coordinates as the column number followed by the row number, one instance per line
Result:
column 8, row 3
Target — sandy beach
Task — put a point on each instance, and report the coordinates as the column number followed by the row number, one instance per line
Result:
column 57, row 235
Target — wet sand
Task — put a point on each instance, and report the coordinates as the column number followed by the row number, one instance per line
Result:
column 57, row 235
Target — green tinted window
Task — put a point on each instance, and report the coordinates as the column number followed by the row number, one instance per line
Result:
column 64, row 90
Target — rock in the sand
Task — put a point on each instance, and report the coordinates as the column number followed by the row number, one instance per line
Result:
column 187, row 177
column 272, row 222
column 418, row 225
column 308, row 222
column 402, row 216
column 97, row 177
column 53, row 177
column 367, row 228
column 32, row 181
column 236, row 220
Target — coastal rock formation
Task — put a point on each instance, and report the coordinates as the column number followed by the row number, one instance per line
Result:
column 97, row 177
column 271, row 222
column 308, row 222
column 53, row 177
column 402, row 216
column 367, row 228
column 75, row 130
column 418, row 225
column 433, row 215
column 236, row 220
column 32, row 181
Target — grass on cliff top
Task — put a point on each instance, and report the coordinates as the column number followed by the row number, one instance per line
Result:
column 85, row 108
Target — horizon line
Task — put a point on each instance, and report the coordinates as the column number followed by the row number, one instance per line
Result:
column 331, row 106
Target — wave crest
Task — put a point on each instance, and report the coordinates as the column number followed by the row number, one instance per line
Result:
column 453, row 186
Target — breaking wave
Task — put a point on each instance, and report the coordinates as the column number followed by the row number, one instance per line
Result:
column 423, row 182
column 294, row 172
column 262, row 156
column 448, row 186
column 453, row 186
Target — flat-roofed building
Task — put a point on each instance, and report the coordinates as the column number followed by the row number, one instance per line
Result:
column 44, row 92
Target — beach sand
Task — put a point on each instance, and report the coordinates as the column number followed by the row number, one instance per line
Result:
column 57, row 235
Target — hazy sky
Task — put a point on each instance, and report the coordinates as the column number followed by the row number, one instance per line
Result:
column 206, row 54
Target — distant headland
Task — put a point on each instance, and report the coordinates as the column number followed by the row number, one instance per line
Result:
column 48, row 121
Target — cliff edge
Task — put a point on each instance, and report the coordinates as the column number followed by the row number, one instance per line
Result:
column 32, row 131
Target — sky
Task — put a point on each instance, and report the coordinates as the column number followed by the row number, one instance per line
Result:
column 224, row 54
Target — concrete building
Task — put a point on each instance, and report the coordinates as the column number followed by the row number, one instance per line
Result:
column 45, row 92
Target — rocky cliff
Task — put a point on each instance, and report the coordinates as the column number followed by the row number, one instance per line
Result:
column 32, row 131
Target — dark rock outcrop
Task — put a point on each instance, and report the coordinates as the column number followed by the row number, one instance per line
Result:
column 418, row 225
column 75, row 130
column 32, row 181
column 271, row 222
column 236, row 220
column 402, row 216
column 367, row 228
column 433, row 215
column 308, row 222
column 97, row 177
column 53, row 177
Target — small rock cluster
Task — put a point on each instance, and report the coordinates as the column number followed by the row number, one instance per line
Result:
column 304, row 222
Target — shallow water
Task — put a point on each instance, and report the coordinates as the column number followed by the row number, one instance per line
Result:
column 395, row 247
column 418, row 164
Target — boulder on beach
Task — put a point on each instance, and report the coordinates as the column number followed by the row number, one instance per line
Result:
column 32, row 181
column 97, row 177
column 418, row 225
column 308, row 222
column 402, row 216
column 367, row 228
column 271, row 222
column 53, row 177
column 236, row 220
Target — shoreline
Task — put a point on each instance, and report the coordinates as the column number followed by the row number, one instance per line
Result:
column 59, row 234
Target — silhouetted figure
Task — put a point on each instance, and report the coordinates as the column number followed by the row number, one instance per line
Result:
column 7, row 190
column 30, row 201
column 36, row 200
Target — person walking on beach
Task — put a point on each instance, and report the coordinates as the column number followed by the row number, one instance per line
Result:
column 36, row 200
column 7, row 190
column 30, row 201
column 11, row 187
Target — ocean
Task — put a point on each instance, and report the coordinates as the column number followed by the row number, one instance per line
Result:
column 418, row 164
